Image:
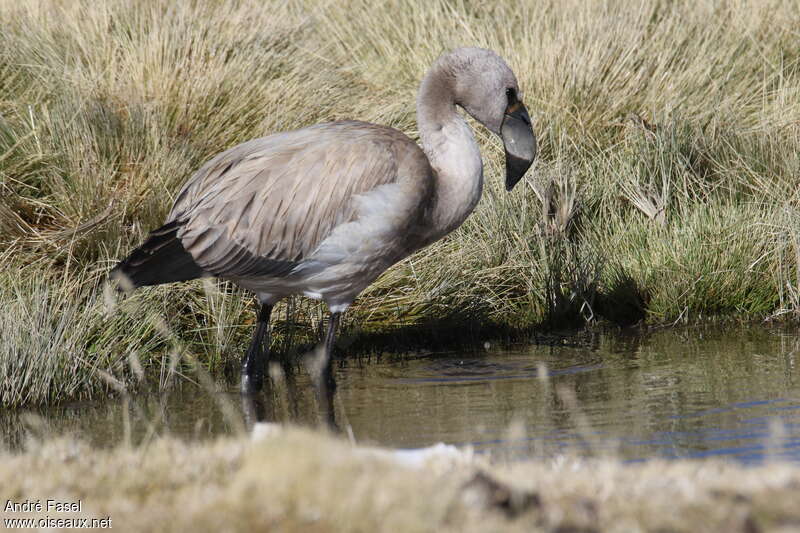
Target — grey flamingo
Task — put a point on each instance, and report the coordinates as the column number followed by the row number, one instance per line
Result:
column 324, row 210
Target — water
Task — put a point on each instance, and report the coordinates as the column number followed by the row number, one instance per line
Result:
column 690, row 393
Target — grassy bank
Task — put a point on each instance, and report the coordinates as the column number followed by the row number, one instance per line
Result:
column 302, row 481
column 667, row 186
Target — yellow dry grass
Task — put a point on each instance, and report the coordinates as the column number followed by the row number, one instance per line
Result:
column 299, row 480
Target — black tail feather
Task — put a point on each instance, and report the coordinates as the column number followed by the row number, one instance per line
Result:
column 161, row 259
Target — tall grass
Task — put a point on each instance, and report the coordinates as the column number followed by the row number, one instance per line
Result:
column 667, row 186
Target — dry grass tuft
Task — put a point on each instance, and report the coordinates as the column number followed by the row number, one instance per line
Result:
column 297, row 480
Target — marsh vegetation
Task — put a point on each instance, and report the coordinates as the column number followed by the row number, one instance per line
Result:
column 294, row 480
column 666, row 188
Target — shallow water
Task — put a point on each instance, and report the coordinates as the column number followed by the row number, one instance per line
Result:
column 695, row 392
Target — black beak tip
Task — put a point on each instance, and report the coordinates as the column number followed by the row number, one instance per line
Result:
column 516, row 167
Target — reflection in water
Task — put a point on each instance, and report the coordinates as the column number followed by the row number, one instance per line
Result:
column 688, row 393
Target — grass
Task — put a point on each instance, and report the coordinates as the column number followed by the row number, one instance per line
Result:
column 298, row 480
column 667, row 186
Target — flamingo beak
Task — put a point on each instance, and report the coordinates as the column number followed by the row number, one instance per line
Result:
column 519, row 142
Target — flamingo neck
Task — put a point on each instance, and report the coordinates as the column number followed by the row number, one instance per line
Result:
column 452, row 151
